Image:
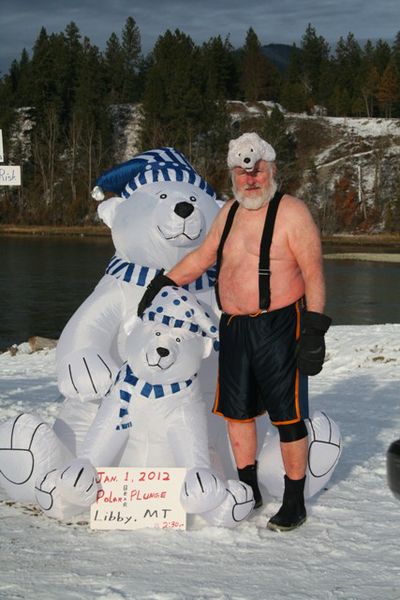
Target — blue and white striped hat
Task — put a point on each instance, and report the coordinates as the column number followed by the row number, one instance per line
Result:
column 160, row 164
column 176, row 307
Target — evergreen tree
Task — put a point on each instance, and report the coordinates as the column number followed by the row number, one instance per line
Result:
column 315, row 61
column 259, row 78
column 293, row 95
column 173, row 101
column 388, row 91
column 347, row 64
column 382, row 55
column 131, row 50
column 43, row 72
column 115, row 69
column 367, row 82
column 396, row 51
column 220, row 67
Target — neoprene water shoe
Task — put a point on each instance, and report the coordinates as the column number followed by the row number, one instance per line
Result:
column 292, row 513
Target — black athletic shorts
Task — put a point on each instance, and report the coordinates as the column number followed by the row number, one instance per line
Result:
column 257, row 367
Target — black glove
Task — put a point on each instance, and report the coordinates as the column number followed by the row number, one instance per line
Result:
column 152, row 290
column 311, row 345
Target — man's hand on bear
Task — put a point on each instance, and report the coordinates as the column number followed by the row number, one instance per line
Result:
column 152, row 290
column 311, row 345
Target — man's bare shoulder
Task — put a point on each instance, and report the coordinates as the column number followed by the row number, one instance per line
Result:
column 291, row 202
column 292, row 208
column 220, row 219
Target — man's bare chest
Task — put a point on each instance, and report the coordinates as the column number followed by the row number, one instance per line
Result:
column 245, row 236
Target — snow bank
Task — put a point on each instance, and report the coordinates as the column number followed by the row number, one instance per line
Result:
column 348, row 549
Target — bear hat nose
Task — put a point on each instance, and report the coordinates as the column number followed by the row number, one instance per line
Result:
column 162, row 351
column 184, row 209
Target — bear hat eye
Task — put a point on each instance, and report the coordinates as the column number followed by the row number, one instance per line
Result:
column 163, row 196
column 158, row 333
column 193, row 198
column 177, row 339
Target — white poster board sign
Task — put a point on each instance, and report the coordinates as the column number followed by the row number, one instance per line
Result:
column 134, row 498
column 1, row 147
column 10, row 175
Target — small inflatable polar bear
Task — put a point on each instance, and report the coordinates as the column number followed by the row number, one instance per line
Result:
column 246, row 150
column 156, row 409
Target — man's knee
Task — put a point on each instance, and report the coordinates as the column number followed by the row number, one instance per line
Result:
column 234, row 424
column 292, row 432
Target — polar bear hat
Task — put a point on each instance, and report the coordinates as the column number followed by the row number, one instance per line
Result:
column 246, row 150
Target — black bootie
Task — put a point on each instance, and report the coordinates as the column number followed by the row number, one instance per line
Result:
column 292, row 513
column 249, row 475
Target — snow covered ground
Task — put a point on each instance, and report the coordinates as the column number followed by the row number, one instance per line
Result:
column 348, row 549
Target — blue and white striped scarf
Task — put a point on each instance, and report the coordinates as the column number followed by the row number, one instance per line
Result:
column 126, row 378
column 139, row 275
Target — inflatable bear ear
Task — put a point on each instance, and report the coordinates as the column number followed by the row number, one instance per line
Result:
column 106, row 210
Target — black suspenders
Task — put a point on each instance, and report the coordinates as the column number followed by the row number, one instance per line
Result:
column 264, row 272
column 227, row 228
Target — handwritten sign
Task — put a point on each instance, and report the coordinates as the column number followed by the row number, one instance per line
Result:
column 134, row 498
column 1, row 147
column 10, row 175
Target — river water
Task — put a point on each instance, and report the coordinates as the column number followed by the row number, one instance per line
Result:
column 44, row 279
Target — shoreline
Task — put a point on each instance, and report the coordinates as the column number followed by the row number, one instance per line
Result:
column 56, row 230
column 373, row 239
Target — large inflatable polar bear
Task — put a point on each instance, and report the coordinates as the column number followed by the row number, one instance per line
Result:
column 164, row 211
column 156, row 410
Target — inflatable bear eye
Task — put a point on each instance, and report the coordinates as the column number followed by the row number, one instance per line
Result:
column 177, row 339
column 158, row 333
column 193, row 198
column 163, row 196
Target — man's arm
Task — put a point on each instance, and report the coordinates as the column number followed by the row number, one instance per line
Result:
column 191, row 266
column 199, row 260
column 305, row 243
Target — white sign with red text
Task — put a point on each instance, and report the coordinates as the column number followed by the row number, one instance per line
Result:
column 10, row 175
column 134, row 498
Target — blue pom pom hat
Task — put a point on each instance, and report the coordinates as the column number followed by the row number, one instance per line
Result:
column 160, row 164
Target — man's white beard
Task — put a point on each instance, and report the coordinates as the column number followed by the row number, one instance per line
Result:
column 255, row 202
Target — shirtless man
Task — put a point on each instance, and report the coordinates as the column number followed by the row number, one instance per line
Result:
column 272, row 325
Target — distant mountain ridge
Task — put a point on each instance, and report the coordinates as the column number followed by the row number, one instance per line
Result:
column 278, row 54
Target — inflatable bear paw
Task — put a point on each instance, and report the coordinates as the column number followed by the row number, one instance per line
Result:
column 237, row 506
column 63, row 493
column 28, row 447
column 202, row 491
column 86, row 374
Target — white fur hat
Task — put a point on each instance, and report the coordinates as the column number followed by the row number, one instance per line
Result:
column 246, row 150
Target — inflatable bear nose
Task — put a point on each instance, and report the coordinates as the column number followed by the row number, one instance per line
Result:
column 246, row 160
column 162, row 351
column 184, row 209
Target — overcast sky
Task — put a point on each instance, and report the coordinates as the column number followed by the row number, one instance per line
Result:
column 275, row 21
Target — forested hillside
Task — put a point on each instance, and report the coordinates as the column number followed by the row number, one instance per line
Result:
column 69, row 111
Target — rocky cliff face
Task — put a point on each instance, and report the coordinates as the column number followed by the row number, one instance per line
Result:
column 353, row 175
